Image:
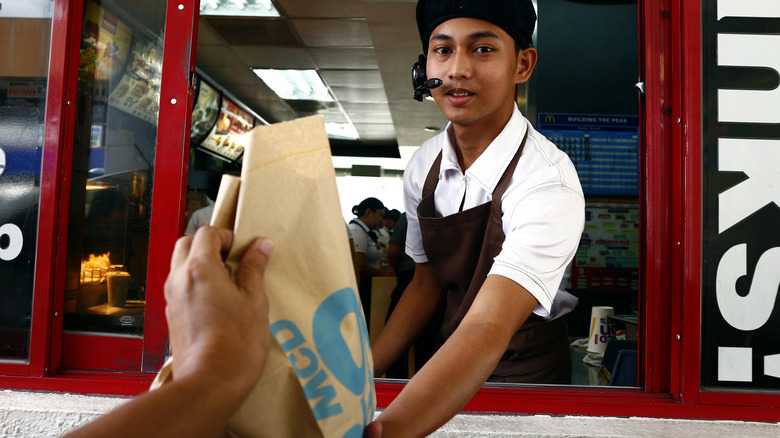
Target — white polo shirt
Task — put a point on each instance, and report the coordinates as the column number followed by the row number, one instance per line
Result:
column 364, row 244
column 543, row 207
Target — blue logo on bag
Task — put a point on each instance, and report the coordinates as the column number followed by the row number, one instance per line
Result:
column 335, row 354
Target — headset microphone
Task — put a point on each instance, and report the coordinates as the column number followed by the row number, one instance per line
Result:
column 422, row 85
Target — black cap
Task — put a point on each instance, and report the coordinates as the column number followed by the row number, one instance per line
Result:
column 516, row 17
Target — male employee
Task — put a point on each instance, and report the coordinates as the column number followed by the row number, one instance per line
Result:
column 495, row 213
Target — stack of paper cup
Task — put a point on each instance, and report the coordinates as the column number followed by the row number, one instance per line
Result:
column 117, row 288
column 601, row 329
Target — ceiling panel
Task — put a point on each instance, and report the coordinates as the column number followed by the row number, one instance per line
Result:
column 233, row 76
column 375, row 131
column 352, row 78
column 371, row 118
column 363, row 50
column 218, row 56
column 333, row 32
column 349, row 58
column 207, row 34
column 365, row 95
column 274, row 57
column 328, row 8
column 251, row 31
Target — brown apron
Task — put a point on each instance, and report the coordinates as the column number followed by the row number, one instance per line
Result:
column 461, row 248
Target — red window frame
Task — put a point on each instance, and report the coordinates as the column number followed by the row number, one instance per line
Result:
column 49, row 347
column 670, row 279
column 670, row 282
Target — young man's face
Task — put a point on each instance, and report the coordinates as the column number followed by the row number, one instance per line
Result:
column 480, row 68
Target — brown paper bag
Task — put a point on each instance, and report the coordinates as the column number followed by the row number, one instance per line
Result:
column 318, row 379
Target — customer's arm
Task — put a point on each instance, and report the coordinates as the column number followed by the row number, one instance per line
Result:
column 219, row 335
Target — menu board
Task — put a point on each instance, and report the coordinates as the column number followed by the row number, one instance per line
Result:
column 608, row 255
column 205, row 112
column 138, row 93
column 105, row 43
column 603, row 148
column 226, row 140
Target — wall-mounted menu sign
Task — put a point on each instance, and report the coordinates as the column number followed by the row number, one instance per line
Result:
column 205, row 112
column 604, row 149
column 608, row 255
column 105, row 43
column 226, row 140
column 740, row 309
column 138, row 92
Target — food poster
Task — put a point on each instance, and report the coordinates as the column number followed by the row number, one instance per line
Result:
column 138, row 93
column 608, row 255
column 205, row 113
column 226, row 139
column 105, row 43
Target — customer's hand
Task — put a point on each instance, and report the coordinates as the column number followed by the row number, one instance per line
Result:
column 218, row 327
column 220, row 338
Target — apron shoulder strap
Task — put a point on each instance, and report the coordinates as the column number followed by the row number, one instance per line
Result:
column 503, row 183
column 433, row 177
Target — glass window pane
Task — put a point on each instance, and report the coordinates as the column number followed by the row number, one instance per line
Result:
column 25, row 31
column 113, row 166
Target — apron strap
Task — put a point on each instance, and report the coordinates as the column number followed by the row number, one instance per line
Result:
column 503, row 183
column 433, row 177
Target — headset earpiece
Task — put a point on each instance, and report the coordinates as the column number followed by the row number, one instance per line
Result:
column 419, row 78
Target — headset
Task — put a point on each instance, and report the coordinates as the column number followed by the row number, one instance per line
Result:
column 422, row 85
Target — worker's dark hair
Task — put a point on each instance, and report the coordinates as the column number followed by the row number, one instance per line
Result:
column 368, row 203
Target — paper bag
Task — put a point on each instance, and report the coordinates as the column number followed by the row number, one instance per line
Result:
column 318, row 379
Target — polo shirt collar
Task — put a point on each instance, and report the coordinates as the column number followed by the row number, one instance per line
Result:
column 489, row 167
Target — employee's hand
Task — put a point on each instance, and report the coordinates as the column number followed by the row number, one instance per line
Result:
column 218, row 328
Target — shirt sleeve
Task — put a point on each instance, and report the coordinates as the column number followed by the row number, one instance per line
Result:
column 399, row 232
column 542, row 235
column 412, row 198
column 360, row 238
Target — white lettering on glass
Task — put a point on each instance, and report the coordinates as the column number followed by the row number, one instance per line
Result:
column 748, row 8
column 749, row 106
column 759, row 160
column 15, row 241
column 772, row 365
column 735, row 364
column 751, row 311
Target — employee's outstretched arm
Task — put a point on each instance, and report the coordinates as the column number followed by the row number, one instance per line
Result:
column 454, row 374
column 219, row 335
column 415, row 309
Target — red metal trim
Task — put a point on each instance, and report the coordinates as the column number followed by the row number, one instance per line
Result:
column 691, row 62
column 64, row 179
column 93, row 352
column 741, row 399
column 655, row 306
column 597, row 401
column 58, row 131
column 674, row 265
column 171, row 160
column 14, row 369
column 79, row 382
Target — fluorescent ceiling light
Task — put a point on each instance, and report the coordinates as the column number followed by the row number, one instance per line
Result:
column 295, row 84
column 341, row 130
column 240, row 8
